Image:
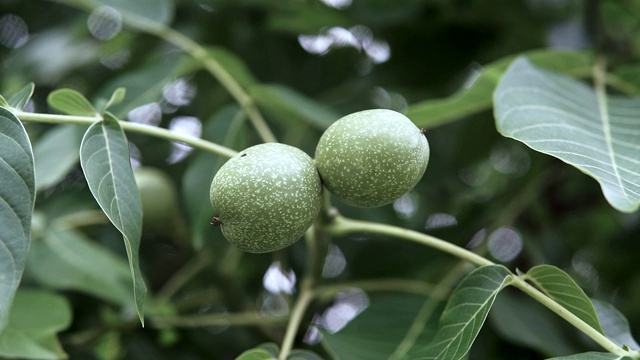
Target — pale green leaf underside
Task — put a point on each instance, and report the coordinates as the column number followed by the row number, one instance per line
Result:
column 17, row 196
column 21, row 98
column 615, row 325
column 35, row 319
column 560, row 287
column 564, row 118
column 466, row 312
column 104, row 157
column 70, row 102
column 592, row 356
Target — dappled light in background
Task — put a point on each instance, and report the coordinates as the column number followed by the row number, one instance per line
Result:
column 477, row 239
column 185, row 125
column 440, row 220
column 505, row 244
column 338, row 4
column 345, row 308
column 116, row 60
column 335, row 262
column 569, row 34
column 135, row 156
column 277, row 280
column 149, row 114
column 384, row 99
column 104, row 23
column 585, row 269
column 475, row 175
column 273, row 304
column 407, row 205
column 513, row 160
column 358, row 37
column 179, row 93
column 313, row 335
column 13, row 31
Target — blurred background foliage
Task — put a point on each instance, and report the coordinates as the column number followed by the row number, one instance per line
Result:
column 306, row 63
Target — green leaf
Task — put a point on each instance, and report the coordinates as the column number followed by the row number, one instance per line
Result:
column 224, row 127
column 560, row 287
column 3, row 102
column 104, row 157
column 592, row 356
column 116, row 98
column 466, row 312
column 256, row 354
column 376, row 333
column 56, row 153
column 135, row 13
column 523, row 321
column 70, row 102
column 144, row 85
column 477, row 96
column 287, row 105
column 233, row 65
column 66, row 259
column 271, row 348
column 21, row 98
column 17, row 197
column 303, row 355
column 566, row 119
column 35, row 319
column 615, row 325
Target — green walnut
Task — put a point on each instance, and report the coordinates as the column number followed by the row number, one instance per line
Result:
column 159, row 199
column 371, row 158
column 266, row 197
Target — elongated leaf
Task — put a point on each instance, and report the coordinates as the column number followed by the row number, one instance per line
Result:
column 566, row 119
column 477, row 97
column 35, row 319
column 287, row 105
column 560, row 287
column 65, row 259
column 21, row 98
column 376, row 333
column 615, row 325
column 17, row 197
column 104, row 157
column 466, row 312
column 592, row 356
column 3, row 102
column 56, row 153
column 70, row 102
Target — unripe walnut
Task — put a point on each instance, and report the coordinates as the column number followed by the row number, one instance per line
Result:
column 266, row 197
column 371, row 158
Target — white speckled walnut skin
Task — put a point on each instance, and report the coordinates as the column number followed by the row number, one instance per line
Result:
column 266, row 197
column 371, row 158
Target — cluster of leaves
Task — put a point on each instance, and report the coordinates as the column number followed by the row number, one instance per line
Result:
column 79, row 282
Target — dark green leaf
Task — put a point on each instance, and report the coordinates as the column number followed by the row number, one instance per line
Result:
column 592, row 356
column 615, row 325
column 66, row 259
column 56, row 153
column 34, row 321
column 524, row 322
column 560, row 287
column 287, row 105
column 377, row 332
column 70, row 102
column 104, row 157
column 477, row 97
column 17, row 197
column 272, row 348
column 21, row 98
column 303, row 355
column 233, row 65
column 564, row 118
column 466, row 312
